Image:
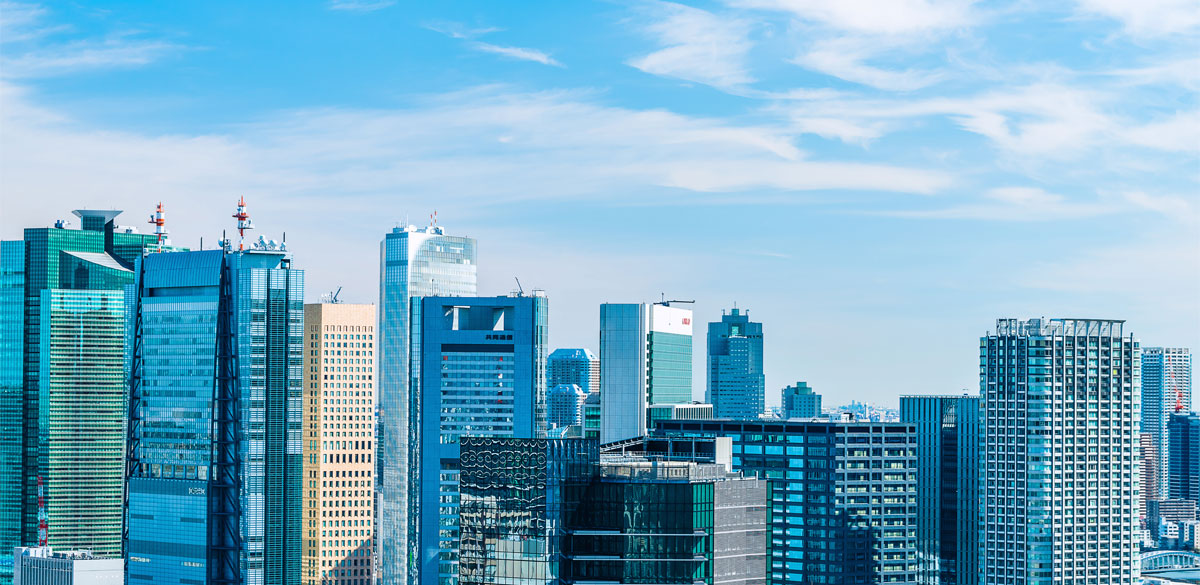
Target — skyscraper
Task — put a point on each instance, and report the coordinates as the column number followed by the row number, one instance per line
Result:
column 736, row 385
column 339, row 446
column 948, row 437
column 72, row 307
column 413, row 262
column 479, row 369
column 799, row 401
column 12, row 344
column 1060, row 444
column 843, row 499
column 1166, row 388
column 1183, row 471
column 645, row 358
column 577, row 366
column 1148, row 466
column 215, row 419
column 564, row 406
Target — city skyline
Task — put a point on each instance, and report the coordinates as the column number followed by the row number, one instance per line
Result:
column 915, row 173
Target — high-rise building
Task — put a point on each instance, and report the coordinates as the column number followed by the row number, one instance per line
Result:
column 1166, row 388
column 479, row 367
column 413, row 262
column 591, row 416
column 339, row 444
column 1148, row 465
column 736, row 385
column 12, row 344
column 72, row 283
column 948, row 437
column 577, row 366
column 557, row 511
column 1183, row 471
column 1060, row 420
column 43, row 566
column 216, row 428
column 799, row 401
column 564, row 405
column 843, row 498
column 645, row 358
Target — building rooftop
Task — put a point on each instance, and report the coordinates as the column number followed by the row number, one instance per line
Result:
column 572, row 353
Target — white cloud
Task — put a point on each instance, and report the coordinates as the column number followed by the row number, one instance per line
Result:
column 72, row 57
column 458, row 30
column 697, row 46
column 1017, row 204
column 846, row 58
column 360, row 5
column 876, row 17
column 1178, row 133
column 844, row 130
column 520, row 53
column 1147, row 18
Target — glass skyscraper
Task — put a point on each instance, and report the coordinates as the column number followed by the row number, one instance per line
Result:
column 736, row 385
column 413, row 262
column 948, row 437
column 1166, row 386
column 577, row 366
column 1183, row 470
column 479, row 367
column 12, row 350
column 799, row 401
column 645, row 358
column 1060, row 453
column 843, row 496
column 215, row 423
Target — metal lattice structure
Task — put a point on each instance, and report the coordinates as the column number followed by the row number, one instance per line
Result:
column 224, row 486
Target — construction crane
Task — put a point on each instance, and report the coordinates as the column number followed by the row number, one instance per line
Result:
column 666, row 303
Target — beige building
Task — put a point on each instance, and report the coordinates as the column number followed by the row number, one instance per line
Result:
column 339, row 443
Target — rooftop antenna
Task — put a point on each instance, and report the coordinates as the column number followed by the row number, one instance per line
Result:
column 159, row 220
column 333, row 298
column 666, row 303
column 435, row 218
column 521, row 290
column 244, row 222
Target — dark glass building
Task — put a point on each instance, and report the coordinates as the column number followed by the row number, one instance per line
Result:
column 843, row 495
column 736, row 385
column 1183, row 466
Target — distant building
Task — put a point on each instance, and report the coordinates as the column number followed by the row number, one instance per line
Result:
column 844, row 495
column 564, row 405
column 339, row 444
column 661, row 412
column 645, row 359
column 1183, row 473
column 1149, row 467
column 591, row 416
column 577, row 366
column 555, row 511
column 948, row 433
column 1166, row 389
column 413, row 262
column 216, row 418
column 43, row 566
column 736, row 385
column 1165, row 511
column 799, row 401
column 1059, row 394
column 480, row 370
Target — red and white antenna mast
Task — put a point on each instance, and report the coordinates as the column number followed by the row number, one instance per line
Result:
column 159, row 221
column 43, row 523
column 244, row 222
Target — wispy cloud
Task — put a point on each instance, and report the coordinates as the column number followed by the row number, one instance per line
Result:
column 697, row 46
column 458, row 30
column 875, row 17
column 846, row 58
column 86, row 55
column 1147, row 18
column 520, row 53
column 360, row 5
column 1017, row 204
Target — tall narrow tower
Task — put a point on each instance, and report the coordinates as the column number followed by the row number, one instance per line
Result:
column 736, row 385
column 1166, row 389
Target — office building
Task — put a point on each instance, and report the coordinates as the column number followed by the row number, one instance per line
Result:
column 645, row 359
column 661, row 412
column 413, row 262
column 736, row 385
column 339, row 444
column 1161, row 512
column 799, row 401
column 12, row 344
column 479, row 365
column 591, row 416
column 948, row 436
column 216, row 427
column 1148, row 465
column 1183, row 471
column 1061, row 424
column 843, row 500
column 577, row 366
column 1166, row 389
column 555, row 511
column 564, row 406
column 43, row 566
column 69, row 277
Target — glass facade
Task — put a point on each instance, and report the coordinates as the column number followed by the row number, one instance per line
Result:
column 1166, row 385
column 480, row 366
column 215, row 425
column 577, row 366
column 843, row 495
column 12, row 349
column 564, row 406
column 1059, row 457
column 799, row 401
column 1183, row 471
column 948, row 438
column 645, row 358
column 736, row 384
column 414, row 262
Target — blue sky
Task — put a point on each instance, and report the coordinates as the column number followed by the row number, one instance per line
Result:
column 876, row 180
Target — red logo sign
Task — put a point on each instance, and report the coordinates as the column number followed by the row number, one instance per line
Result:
column 687, row 321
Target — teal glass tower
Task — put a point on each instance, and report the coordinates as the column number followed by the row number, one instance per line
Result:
column 736, row 385
column 12, row 344
column 645, row 359
column 413, row 262
column 215, row 407
column 479, row 367
column 948, row 436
